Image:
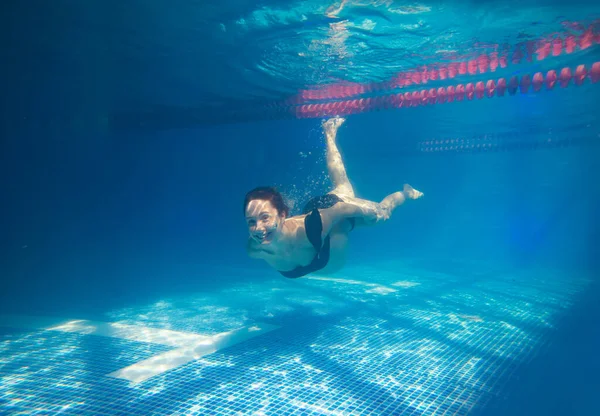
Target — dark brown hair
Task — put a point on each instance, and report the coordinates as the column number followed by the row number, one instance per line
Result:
column 267, row 193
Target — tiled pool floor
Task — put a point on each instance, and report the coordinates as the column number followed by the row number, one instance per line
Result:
column 391, row 340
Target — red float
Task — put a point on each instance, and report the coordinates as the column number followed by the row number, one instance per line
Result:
column 525, row 83
column 595, row 72
column 450, row 93
column 538, row 81
column 552, row 45
column 543, row 50
column 479, row 90
column 557, row 45
column 551, row 78
column 580, row 74
column 565, row 77
column 443, row 72
column 586, row 40
column 493, row 61
column 513, row 84
column 490, row 88
column 441, row 95
column 460, row 92
column 501, row 87
column 472, row 67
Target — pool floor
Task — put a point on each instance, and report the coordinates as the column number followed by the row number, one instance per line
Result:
column 396, row 339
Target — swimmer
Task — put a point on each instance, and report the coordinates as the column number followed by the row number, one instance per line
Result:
column 317, row 239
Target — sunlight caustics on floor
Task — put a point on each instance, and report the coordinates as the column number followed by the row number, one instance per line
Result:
column 394, row 340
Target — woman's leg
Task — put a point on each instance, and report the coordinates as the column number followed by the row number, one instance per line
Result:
column 335, row 164
column 392, row 201
column 386, row 206
column 343, row 189
column 341, row 183
column 339, row 234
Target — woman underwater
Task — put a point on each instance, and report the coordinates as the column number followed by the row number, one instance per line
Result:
column 317, row 239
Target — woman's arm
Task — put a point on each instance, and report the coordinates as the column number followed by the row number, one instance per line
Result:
column 254, row 250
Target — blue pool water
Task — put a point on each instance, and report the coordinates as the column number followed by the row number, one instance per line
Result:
column 132, row 131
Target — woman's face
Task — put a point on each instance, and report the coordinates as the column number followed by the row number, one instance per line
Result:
column 264, row 222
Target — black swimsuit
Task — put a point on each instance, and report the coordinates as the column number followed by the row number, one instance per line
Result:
column 314, row 228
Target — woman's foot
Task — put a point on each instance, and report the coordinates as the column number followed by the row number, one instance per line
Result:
column 411, row 193
column 332, row 125
column 390, row 202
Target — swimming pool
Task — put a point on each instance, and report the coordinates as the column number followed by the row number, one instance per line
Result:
column 128, row 290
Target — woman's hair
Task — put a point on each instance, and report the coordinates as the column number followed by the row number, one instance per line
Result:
column 268, row 193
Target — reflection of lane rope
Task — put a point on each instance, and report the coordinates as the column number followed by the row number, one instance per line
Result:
column 459, row 92
column 551, row 45
column 532, row 138
column 492, row 144
column 177, row 117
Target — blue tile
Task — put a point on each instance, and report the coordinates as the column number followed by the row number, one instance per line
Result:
column 442, row 348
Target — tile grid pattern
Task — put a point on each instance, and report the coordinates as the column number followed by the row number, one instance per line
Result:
column 430, row 347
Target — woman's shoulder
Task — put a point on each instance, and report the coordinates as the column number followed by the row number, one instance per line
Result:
column 296, row 229
column 295, row 224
